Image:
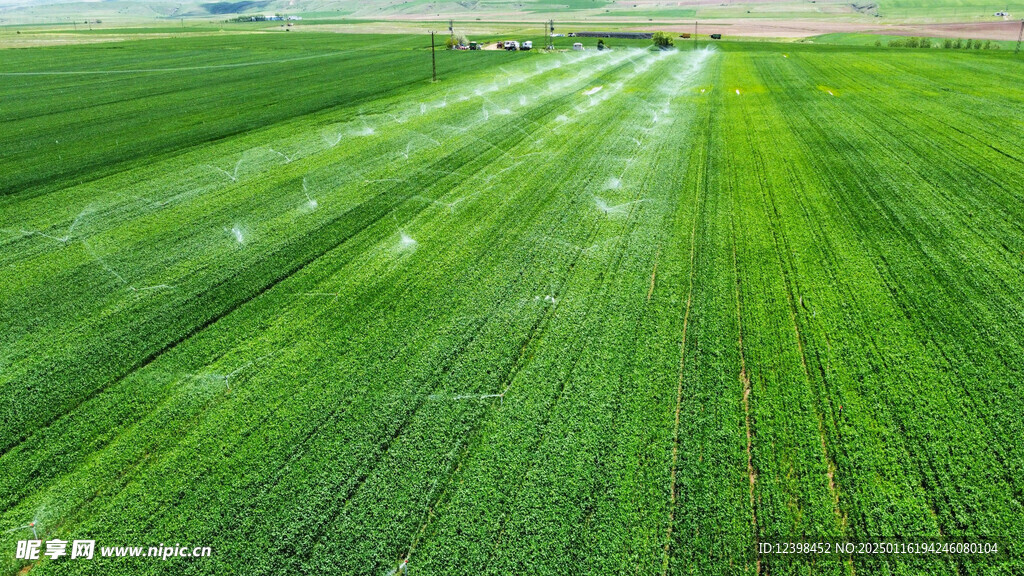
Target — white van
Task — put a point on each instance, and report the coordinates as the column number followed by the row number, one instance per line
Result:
column 577, row 46
column 511, row 45
column 528, row 45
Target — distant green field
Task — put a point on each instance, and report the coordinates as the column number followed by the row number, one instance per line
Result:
column 571, row 313
column 104, row 116
column 885, row 40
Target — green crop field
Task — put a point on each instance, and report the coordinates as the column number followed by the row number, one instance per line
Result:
column 567, row 313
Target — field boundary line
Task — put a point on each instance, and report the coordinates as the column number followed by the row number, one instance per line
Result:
column 679, row 387
column 654, row 273
column 786, row 270
column 176, row 69
column 702, row 167
column 747, row 389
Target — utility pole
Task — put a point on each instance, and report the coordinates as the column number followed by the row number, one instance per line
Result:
column 551, row 34
column 694, row 33
column 1020, row 36
column 451, row 28
column 433, row 59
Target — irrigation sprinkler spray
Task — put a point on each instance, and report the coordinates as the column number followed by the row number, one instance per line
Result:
column 236, row 233
column 287, row 159
column 226, row 378
column 617, row 209
column 31, row 525
column 433, row 141
column 406, row 242
column 500, row 396
column 233, row 175
column 61, row 239
column 103, row 263
column 332, row 143
column 401, row 569
column 311, row 202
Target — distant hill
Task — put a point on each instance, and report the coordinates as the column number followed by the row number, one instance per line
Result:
column 592, row 10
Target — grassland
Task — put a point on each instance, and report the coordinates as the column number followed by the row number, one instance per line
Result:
column 619, row 312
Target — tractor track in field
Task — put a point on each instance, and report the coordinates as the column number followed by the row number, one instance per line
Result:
column 534, row 335
column 925, row 477
column 506, row 384
column 744, row 379
column 654, row 274
column 786, row 270
column 936, row 270
column 700, row 192
column 673, row 497
column 571, row 267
